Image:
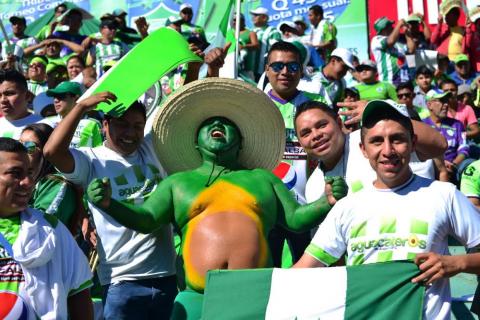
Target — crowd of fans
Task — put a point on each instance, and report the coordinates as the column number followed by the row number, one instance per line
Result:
column 42, row 77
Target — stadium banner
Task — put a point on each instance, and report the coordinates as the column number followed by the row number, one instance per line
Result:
column 349, row 16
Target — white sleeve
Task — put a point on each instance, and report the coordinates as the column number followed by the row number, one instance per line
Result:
column 315, row 186
column 76, row 274
column 328, row 245
column 83, row 168
column 465, row 220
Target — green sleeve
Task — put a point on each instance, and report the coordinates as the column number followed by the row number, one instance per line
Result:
column 97, row 138
column 53, row 195
column 470, row 182
column 391, row 91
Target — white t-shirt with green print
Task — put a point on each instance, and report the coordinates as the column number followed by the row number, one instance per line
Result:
column 13, row 129
column 87, row 134
column 125, row 254
column 378, row 225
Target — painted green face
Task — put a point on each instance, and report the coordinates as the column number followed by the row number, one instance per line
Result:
column 218, row 135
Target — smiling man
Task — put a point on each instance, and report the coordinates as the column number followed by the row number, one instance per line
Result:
column 400, row 216
column 41, row 266
column 137, row 271
column 221, row 195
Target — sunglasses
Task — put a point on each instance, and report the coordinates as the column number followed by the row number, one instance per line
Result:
column 292, row 67
column 404, row 95
column 30, row 146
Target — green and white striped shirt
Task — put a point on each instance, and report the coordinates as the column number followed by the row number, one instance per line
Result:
column 387, row 58
column 267, row 36
column 107, row 52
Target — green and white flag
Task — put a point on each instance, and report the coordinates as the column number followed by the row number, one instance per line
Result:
column 371, row 291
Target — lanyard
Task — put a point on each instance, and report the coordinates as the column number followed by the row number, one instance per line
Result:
column 6, row 245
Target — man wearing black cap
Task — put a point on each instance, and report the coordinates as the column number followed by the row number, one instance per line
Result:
column 401, row 216
column 190, row 31
column 119, row 16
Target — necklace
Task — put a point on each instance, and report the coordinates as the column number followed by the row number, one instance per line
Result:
column 209, row 183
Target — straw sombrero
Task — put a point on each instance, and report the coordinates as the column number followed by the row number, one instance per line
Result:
column 260, row 122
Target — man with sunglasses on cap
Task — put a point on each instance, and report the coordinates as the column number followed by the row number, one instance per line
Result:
column 89, row 131
column 400, row 216
column 218, row 139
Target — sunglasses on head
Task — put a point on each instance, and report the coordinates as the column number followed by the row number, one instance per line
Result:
column 292, row 67
column 30, row 146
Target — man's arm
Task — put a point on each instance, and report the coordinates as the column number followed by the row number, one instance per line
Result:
column 430, row 143
column 56, row 150
column 307, row 261
column 393, row 37
column 80, row 306
column 301, row 218
column 435, row 266
column 156, row 211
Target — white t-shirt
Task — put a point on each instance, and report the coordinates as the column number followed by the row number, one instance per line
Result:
column 126, row 254
column 356, row 169
column 13, row 129
column 378, row 225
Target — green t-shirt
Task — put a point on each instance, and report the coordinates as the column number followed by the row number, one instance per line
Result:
column 55, row 196
column 470, row 182
column 379, row 90
column 10, row 227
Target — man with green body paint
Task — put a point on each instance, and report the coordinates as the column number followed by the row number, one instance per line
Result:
column 223, row 203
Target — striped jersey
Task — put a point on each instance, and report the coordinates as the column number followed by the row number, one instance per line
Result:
column 267, row 36
column 389, row 59
column 107, row 52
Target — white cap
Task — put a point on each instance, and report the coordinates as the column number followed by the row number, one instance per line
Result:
column 185, row 6
column 286, row 23
column 260, row 10
column 346, row 56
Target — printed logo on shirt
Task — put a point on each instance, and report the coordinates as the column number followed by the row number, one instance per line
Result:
column 388, row 237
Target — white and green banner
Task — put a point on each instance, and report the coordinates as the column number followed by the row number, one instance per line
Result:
column 372, row 291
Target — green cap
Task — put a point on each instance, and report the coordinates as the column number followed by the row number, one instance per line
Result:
column 383, row 107
column 413, row 18
column 437, row 94
column 381, row 23
column 52, row 65
column 65, row 87
column 460, row 58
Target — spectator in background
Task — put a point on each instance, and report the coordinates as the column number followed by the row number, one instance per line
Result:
column 471, row 41
column 323, row 36
column 440, row 74
column 75, row 66
column 461, row 112
column 267, row 36
column 463, row 73
column 249, row 45
column 89, row 131
column 370, row 88
column 73, row 19
column 21, row 40
column 14, row 104
column 300, row 24
column 37, row 75
column 100, row 51
column 56, row 73
column 453, row 130
column 448, row 38
column 119, row 16
column 405, row 95
column 416, row 37
column 423, row 79
column 47, row 30
column 388, row 53
column 190, row 30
